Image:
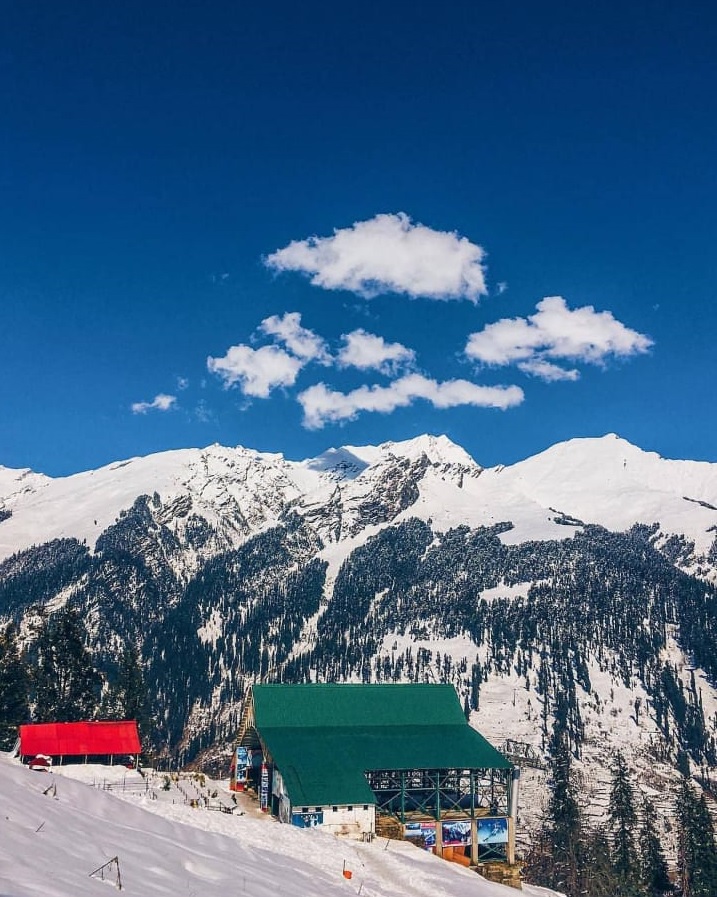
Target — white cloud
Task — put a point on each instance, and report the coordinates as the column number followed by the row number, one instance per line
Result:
column 257, row 371
column 389, row 254
column 546, row 370
column 556, row 332
column 161, row 402
column 300, row 341
column 366, row 351
column 323, row 405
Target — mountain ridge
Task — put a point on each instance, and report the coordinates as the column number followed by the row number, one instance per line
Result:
column 606, row 480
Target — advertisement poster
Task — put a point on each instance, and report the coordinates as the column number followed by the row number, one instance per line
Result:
column 264, row 788
column 425, row 830
column 493, row 838
column 307, row 820
column 240, row 762
column 457, row 833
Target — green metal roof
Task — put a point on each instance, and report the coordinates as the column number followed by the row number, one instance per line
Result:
column 324, row 738
column 308, row 706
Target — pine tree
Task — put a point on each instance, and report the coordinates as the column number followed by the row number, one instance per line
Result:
column 559, row 857
column 652, row 858
column 127, row 697
column 14, row 689
column 600, row 878
column 696, row 853
column 67, row 686
column 622, row 822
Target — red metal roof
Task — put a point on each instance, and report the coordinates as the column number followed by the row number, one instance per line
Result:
column 74, row 739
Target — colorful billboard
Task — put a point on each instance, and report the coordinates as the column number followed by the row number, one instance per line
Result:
column 425, row 830
column 493, row 838
column 238, row 773
column 457, row 833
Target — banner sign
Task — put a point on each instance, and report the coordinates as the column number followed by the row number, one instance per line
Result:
column 425, row 830
column 242, row 757
column 264, row 788
column 307, row 820
column 493, row 838
column 457, row 833
column 240, row 762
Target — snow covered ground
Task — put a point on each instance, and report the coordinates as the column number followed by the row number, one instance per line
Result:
column 50, row 843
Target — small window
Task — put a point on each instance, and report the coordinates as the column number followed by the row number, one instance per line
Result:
column 318, row 809
column 365, row 806
column 335, row 809
column 349, row 807
column 304, row 809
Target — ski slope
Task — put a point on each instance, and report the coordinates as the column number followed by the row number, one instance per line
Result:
column 49, row 845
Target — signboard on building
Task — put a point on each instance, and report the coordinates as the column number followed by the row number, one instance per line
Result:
column 493, row 838
column 264, row 788
column 457, row 833
column 240, row 764
column 425, row 830
column 308, row 820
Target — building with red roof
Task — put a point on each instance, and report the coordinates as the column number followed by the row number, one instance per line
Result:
column 98, row 741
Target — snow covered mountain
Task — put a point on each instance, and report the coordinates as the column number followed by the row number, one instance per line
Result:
column 603, row 481
column 576, row 586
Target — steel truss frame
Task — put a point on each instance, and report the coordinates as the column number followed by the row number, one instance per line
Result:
column 436, row 792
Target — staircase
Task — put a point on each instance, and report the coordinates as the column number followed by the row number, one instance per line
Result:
column 246, row 735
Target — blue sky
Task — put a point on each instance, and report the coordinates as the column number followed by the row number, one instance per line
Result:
column 291, row 226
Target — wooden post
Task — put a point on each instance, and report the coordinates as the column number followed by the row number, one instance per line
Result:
column 439, row 837
column 474, row 841
column 510, row 856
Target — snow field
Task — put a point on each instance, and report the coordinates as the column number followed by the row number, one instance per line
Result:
column 50, row 845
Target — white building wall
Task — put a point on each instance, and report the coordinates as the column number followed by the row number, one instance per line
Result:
column 353, row 821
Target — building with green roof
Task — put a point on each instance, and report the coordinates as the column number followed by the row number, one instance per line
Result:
column 344, row 755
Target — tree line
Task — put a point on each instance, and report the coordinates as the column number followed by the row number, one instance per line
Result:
column 55, row 679
column 624, row 858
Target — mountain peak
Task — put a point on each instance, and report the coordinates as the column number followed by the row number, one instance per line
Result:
column 438, row 450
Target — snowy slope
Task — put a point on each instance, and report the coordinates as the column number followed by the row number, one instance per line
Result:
column 49, row 846
column 612, row 482
column 248, row 488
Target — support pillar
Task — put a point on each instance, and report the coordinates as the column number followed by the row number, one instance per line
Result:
column 439, row 823
column 403, row 796
column 439, row 837
column 474, row 841
column 513, row 789
column 510, row 852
